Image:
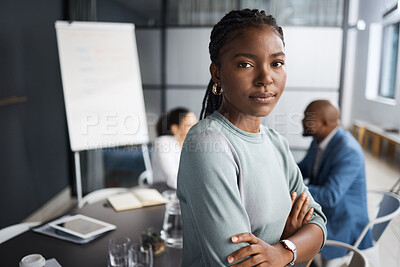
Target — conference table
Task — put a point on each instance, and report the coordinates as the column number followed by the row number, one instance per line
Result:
column 130, row 223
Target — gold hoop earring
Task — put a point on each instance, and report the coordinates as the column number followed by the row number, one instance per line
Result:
column 214, row 89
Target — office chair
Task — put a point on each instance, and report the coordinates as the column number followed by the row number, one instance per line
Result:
column 16, row 229
column 356, row 257
column 396, row 187
column 101, row 194
column 383, row 206
column 145, row 177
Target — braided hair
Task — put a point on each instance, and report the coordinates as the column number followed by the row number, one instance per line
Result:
column 222, row 33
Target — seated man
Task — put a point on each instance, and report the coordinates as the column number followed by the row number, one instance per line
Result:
column 334, row 165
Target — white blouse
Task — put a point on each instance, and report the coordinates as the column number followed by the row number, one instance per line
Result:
column 165, row 160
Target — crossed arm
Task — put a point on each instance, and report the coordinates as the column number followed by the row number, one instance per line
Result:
column 214, row 211
column 260, row 253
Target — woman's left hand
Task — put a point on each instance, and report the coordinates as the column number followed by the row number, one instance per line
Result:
column 298, row 216
column 259, row 252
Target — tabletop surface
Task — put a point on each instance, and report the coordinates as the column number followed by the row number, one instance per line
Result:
column 130, row 223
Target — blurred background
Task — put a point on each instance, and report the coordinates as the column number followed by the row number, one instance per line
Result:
column 342, row 50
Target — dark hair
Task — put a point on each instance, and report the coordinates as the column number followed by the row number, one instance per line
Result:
column 222, row 33
column 166, row 120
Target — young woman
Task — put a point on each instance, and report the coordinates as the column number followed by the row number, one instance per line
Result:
column 171, row 130
column 236, row 176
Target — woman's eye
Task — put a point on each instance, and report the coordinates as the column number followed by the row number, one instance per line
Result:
column 244, row 65
column 278, row 64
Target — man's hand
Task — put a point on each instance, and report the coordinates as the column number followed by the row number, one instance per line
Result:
column 298, row 216
column 259, row 252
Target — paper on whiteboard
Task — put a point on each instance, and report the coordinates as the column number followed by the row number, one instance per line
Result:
column 102, row 85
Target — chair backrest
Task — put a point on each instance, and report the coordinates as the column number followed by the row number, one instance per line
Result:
column 383, row 206
column 145, row 177
column 396, row 187
column 16, row 229
column 358, row 259
column 101, row 194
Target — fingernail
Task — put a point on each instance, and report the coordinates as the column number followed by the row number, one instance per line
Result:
column 234, row 238
column 230, row 259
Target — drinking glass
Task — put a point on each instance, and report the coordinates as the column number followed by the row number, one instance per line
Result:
column 172, row 226
column 119, row 254
column 142, row 255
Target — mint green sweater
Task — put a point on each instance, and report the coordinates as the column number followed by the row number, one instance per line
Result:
column 231, row 182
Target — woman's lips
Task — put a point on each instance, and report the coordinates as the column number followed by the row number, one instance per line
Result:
column 263, row 98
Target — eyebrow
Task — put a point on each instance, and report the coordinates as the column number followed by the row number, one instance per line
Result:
column 245, row 55
column 254, row 56
column 278, row 54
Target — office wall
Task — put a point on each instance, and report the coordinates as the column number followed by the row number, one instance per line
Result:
column 314, row 61
column 188, row 60
column 313, row 66
column 149, row 51
column 187, row 67
column 34, row 154
column 148, row 40
column 383, row 114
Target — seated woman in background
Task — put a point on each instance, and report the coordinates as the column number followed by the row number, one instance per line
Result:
column 171, row 131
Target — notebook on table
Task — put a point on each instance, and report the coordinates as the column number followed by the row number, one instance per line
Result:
column 137, row 198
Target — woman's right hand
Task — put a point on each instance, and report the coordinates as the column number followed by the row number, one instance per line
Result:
column 258, row 252
column 298, row 216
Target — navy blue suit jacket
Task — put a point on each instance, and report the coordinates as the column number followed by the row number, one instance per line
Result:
column 340, row 188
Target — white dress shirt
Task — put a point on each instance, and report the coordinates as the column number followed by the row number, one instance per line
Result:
column 321, row 147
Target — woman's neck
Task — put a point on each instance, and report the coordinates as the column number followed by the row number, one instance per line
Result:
column 246, row 123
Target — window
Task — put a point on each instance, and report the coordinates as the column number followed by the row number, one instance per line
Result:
column 390, row 47
column 383, row 70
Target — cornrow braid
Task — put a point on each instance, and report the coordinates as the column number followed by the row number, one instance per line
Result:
column 221, row 34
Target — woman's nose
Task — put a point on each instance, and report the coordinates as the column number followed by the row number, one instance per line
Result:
column 264, row 77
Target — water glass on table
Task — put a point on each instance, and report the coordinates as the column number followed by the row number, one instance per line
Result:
column 119, row 252
column 172, row 225
column 142, row 255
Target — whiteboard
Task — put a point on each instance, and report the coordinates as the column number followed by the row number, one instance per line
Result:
column 102, row 85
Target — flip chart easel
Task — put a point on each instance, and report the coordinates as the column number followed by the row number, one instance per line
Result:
column 102, row 87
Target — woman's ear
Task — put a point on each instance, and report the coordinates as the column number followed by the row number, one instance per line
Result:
column 174, row 129
column 214, row 70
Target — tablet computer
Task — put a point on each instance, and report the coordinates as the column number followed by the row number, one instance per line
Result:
column 82, row 226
